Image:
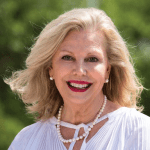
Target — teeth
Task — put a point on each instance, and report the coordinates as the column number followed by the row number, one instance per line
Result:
column 79, row 85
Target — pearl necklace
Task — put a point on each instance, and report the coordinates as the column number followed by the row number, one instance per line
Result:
column 89, row 127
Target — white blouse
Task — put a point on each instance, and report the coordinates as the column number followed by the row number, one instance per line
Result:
column 126, row 129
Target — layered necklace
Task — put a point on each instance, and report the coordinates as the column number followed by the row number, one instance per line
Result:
column 88, row 129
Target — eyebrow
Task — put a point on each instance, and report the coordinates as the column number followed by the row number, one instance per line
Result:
column 95, row 50
column 65, row 51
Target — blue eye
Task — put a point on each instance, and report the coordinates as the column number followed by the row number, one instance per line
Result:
column 67, row 57
column 92, row 59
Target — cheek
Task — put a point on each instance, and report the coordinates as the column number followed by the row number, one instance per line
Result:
column 61, row 69
column 100, row 72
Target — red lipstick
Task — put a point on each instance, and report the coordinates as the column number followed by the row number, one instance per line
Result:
column 79, row 82
column 75, row 89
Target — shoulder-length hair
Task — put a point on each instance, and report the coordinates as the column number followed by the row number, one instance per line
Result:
column 41, row 95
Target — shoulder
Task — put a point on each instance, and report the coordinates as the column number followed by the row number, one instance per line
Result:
column 130, row 120
column 137, row 128
column 30, row 133
column 130, row 115
column 136, row 118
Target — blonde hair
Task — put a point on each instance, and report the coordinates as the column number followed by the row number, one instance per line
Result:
column 41, row 95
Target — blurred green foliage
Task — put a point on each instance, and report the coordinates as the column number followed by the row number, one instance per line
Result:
column 22, row 20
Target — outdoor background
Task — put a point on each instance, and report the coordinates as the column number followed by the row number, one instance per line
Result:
column 22, row 20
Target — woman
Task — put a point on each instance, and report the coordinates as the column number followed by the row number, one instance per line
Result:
column 81, row 83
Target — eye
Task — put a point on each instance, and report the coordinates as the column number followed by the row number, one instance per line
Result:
column 92, row 59
column 67, row 57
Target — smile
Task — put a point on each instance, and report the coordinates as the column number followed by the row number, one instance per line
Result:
column 78, row 86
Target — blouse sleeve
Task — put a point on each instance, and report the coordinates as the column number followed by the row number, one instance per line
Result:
column 139, row 132
column 23, row 137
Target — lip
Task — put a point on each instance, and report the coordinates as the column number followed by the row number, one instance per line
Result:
column 77, row 90
column 79, row 82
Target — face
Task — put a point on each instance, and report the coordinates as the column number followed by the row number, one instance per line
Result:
column 80, row 67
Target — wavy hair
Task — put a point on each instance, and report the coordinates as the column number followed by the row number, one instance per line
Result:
column 41, row 95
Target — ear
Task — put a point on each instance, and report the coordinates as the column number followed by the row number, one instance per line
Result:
column 51, row 72
column 108, row 71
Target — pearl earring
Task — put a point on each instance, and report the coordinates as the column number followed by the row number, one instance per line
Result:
column 51, row 78
column 107, row 80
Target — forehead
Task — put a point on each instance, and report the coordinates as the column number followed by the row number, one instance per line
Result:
column 85, row 38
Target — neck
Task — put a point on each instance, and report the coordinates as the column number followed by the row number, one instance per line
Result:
column 82, row 113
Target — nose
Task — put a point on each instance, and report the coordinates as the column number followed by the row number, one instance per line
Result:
column 79, row 69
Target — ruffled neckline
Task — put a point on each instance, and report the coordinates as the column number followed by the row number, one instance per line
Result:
column 110, row 116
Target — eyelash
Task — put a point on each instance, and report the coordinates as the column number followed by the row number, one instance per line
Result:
column 64, row 57
column 87, row 59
